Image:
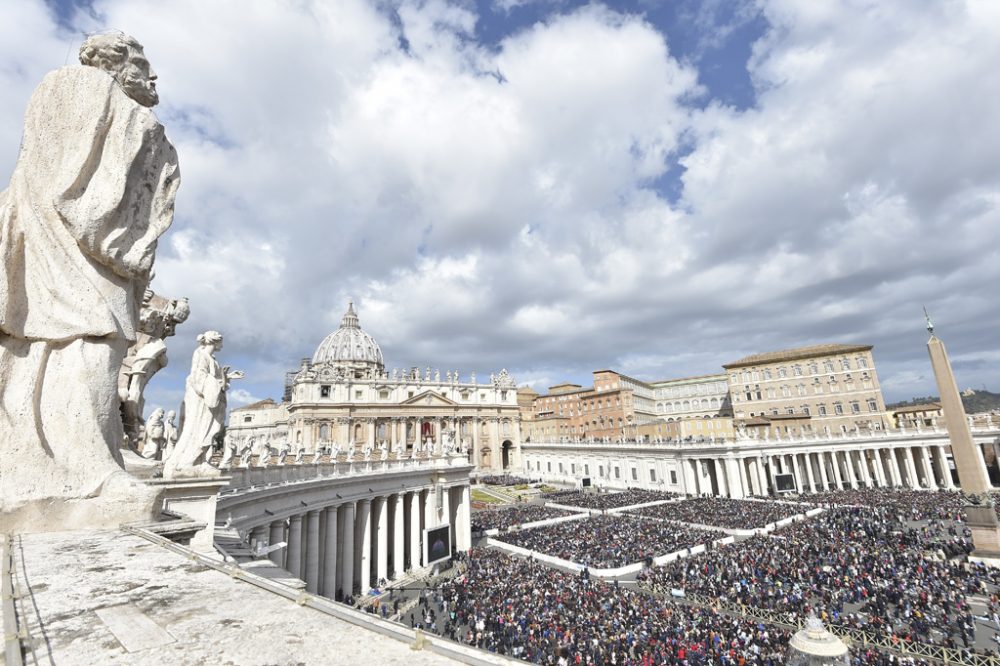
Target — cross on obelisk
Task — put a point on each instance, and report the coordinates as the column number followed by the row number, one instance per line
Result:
column 972, row 476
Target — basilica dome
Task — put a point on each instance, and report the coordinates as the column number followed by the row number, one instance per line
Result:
column 349, row 345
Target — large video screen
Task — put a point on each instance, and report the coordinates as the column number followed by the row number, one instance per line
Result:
column 437, row 540
column 785, row 483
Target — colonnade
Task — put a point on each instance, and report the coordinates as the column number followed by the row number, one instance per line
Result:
column 736, row 476
column 351, row 546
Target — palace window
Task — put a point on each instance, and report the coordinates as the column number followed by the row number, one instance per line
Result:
column 358, row 395
column 782, row 373
column 785, row 392
column 767, row 373
column 838, row 409
column 790, row 410
column 797, row 370
column 805, row 409
column 872, row 405
column 673, row 477
column 822, row 410
column 635, row 474
column 862, row 362
column 813, row 369
column 248, row 418
column 383, row 394
column 845, row 364
column 855, row 408
column 652, row 475
column 324, row 391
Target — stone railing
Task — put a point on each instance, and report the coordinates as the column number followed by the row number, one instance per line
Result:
column 255, row 477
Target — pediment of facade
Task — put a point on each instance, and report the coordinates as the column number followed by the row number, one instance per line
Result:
column 430, row 399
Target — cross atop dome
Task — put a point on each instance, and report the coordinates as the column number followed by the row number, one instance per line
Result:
column 350, row 319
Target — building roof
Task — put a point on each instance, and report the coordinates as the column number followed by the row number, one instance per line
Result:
column 718, row 376
column 926, row 407
column 266, row 403
column 796, row 354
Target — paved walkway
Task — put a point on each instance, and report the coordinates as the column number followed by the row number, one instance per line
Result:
column 114, row 598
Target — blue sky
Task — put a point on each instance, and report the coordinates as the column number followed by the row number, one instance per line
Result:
column 555, row 186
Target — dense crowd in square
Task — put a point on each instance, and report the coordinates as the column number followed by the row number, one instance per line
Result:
column 520, row 608
column 898, row 578
column 722, row 512
column 911, row 504
column 604, row 501
column 606, row 542
column 504, row 480
column 505, row 517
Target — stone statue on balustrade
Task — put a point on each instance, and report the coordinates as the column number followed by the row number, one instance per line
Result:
column 351, row 451
column 265, row 457
column 158, row 319
column 246, row 456
column 335, row 452
column 384, row 449
column 203, row 412
column 153, row 443
column 169, row 433
column 92, row 190
column 228, row 452
column 300, row 456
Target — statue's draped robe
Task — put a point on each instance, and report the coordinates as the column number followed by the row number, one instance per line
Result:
column 203, row 412
column 92, row 190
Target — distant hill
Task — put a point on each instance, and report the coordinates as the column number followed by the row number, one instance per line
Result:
column 974, row 401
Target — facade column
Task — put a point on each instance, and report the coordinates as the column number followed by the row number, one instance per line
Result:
column 688, row 472
column 398, row 543
column 312, row 552
column 363, row 550
column 380, row 516
column 277, row 536
column 476, row 427
column 371, row 430
column 330, row 553
column 496, row 453
column 754, row 476
column 911, row 468
column 293, row 562
column 894, row 468
column 824, row 479
column 415, row 554
column 444, row 515
column 942, row 457
column 741, row 465
column 345, row 578
column 925, row 461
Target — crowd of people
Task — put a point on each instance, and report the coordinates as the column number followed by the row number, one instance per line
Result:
column 523, row 609
column 911, row 504
column 606, row 542
column 722, row 512
column 854, row 566
column 505, row 517
column 604, row 501
column 520, row 608
column 504, row 480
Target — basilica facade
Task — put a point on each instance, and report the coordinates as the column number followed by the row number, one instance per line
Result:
column 344, row 397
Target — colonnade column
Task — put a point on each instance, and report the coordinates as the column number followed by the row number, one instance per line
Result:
column 312, row 552
column 942, row 457
column 363, row 552
column 835, row 464
column 277, row 536
column 879, row 470
column 464, row 528
column 807, row 459
column 893, row 468
column 911, row 468
column 720, row 477
column 398, row 547
column 690, row 481
column 762, row 477
column 415, row 530
column 925, row 459
column 330, row 559
column 821, row 459
column 799, row 483
column 380, row 516
column 865, row 472
column 258, row 536
column 293, row 562
column 347, row 550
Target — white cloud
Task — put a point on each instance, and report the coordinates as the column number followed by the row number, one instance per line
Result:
column 499, row 206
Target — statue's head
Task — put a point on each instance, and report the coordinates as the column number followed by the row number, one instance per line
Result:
column 171, row 415
column 211, row 339
column 121, row 56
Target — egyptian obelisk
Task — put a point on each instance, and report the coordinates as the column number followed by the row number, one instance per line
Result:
column 972, row 476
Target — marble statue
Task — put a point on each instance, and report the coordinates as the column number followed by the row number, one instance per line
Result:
column 265, row 457
column 158, row 319
column 335, row 452
column 351, row 450
column 154, row 440
column 282, row 455
column 169, row 433
column 228, row 451
column 437, row 376
column 203, row 412
column 300, row 456
column 245, row 456
column 92, row 190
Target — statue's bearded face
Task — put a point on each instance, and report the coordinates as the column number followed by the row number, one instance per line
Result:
column 138, row 79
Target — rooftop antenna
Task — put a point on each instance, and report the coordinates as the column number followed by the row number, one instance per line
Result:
column 930, row 324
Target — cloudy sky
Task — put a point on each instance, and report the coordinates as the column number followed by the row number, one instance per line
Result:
column 555, row 186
